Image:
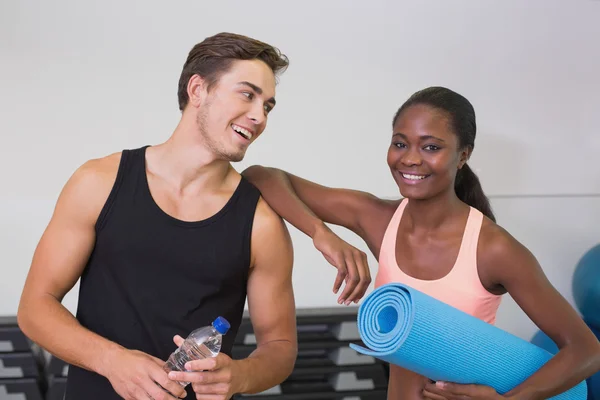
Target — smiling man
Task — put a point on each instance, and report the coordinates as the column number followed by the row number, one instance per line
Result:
column 165, row 239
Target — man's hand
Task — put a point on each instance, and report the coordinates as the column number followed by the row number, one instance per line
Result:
column 350, row 262
column 136, row 376
column 211, row 378
column 455, row 391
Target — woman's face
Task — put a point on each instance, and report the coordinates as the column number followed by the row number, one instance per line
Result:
column 424, row 154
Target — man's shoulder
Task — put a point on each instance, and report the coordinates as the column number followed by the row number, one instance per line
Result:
column 266, row 220
column 265, row 212
column 269, row 231
column 104, row 164
column 91, row 183
column 98, row 172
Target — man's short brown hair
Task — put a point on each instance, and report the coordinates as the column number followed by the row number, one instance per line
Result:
column 213, row 56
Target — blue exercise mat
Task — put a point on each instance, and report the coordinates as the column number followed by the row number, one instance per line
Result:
column 405, row 327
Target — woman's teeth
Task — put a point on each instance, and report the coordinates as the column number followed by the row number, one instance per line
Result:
column 244, row 132
column 414, row 177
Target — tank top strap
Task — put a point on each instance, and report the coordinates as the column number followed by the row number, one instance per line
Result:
column 466, row 262
column 137, row 171
column 250, row 194
column 131, row 164
column 388, row 244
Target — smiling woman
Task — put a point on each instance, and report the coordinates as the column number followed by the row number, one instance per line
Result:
column 440, row 239
column 439, row 122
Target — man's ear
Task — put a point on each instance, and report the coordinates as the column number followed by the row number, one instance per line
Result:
column 196, row 90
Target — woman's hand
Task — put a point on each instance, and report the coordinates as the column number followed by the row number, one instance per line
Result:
column 350, row 262
column 454, row 391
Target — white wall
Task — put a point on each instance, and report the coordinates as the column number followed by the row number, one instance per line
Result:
column 84, row 79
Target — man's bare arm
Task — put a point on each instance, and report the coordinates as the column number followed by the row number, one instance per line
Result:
column 271, row 304
column 57, row 264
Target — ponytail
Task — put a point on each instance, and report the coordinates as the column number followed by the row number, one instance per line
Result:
column 469, row 190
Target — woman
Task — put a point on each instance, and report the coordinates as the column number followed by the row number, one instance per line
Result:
column 441, row 239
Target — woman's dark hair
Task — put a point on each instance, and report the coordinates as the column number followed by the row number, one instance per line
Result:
column 462, row 122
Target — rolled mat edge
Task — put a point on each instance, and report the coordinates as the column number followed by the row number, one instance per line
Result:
column 405, row 327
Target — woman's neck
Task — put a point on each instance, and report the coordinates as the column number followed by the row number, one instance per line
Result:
column 432, row 213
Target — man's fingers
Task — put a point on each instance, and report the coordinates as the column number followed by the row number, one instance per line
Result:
column 180, row 376
column 155, row 392
column 204, row 364
column 211, row 397
column 178, row 340
column 203, row 378
column 173, row 388
column 214, row 389
column 212, row 377
column 158, row 361
column 140, row 394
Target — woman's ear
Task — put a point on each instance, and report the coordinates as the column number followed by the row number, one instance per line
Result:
column 464, row 156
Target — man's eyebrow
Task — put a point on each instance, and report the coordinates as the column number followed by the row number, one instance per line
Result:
column 257, row 90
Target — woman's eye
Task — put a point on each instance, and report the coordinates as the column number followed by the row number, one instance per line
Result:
column 431, row 147
column 400, row 145
column 249, row 95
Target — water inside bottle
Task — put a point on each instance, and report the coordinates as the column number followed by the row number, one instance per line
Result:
column 190, row 351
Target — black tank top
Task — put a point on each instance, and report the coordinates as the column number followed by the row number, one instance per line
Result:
column 151, row 276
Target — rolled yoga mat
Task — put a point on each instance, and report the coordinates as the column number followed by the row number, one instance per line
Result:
column 405, row 327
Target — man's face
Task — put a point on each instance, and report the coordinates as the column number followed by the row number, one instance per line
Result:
column 234, row 113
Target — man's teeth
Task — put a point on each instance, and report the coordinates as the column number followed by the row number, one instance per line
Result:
column 414, row 177
column 242, row 131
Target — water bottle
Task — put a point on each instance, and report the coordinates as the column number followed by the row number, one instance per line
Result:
column 202, row 343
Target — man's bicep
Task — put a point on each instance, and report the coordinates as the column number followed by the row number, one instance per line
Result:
column 270, row 292
column 68, row 240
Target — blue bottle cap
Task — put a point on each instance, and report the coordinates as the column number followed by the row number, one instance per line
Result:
column 221, row 325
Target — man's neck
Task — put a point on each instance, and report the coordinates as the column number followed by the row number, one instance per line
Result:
column 187, row 165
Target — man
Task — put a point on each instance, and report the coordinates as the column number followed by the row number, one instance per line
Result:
column 165, row 239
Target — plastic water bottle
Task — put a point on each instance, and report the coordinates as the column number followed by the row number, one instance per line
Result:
column 202, row 343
